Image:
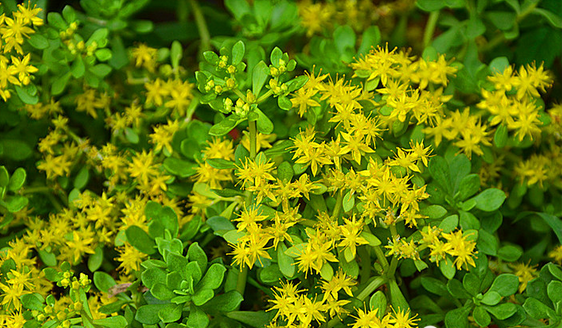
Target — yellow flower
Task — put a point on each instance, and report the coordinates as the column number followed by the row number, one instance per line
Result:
column 460, row 247
column 163, row 135
column 350, row 232
column 23, row 69
column 556, row 254
column 130, row 258
column 302, row 99
column 145, row 56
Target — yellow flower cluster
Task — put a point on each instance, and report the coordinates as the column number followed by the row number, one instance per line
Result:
column 319, row 16
column 513, row 100
column 459, row 245
column 298, row 309
column 394, row 319
column 15, row 69
column 174, row 94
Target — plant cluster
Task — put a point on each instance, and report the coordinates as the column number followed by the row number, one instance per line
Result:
column 222, row 182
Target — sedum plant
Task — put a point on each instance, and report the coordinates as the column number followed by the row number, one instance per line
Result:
column 263, row 173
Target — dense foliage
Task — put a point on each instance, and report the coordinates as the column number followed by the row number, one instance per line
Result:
column 281, row 163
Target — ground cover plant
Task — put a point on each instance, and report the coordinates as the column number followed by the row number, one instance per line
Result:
column 275, row 163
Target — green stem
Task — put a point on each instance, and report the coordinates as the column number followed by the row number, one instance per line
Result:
column 363, row 254
column 374, row 284
column 371, row 287
column 256, row 284
column 239, row 94
column 241, row 282
column 499, row 38
column 204, row 34
column 430, row 28
column 392, row 268
column 264, row 97
column 32, row 190
column 253, row 139
column 380, row 255
column 337, row 208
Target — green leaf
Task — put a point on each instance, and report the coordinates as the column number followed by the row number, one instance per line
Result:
column 197, row 318
column 95, row 260
column 372, row 239
column 38, row 41
column 456, row 289
column 397, row 299
column 101, row 70
column 439, row 170
column 348, row 201
column 435, row 286
column 430, row 5
column 344, row 39
column 378, row 301
column 103, row 54
column 510, row 253
column 457, row 318
column 220, row 164
column 499, row 64
column 469, row 185
column 449, row 223
column 371, row 37
column 150, row 276
column 327, row 272
column 434, row 211
column 238, row 51
column 34, row 302
column 265, row 125
column 285, row 262
column 491, row 298
column 503, row 20
column 500, row 137
column 471, row 283
column 176, row 53
column 140, row 240
column 481, row 316
column 220, row 224
column 554, row 222
column 487, row 243
column 505, row 284
column 112, row 322
column 48, row 258
column 276, row 55
column 196, row 253
column 475, row 27
column 226, row 302
column 260, row 74
column 161, row 218
column 502, row 311
column 223, row 127
column 202, row 296
column 162, row 292
column 554, row 291
column 447, row 268
column 179, row 167
column 81, row 179
column 270, row 274
column 16, row 203
column 213, row 278
column 4, row 177
column 103, row 281
column 542, row 44
column 490, row 199
column 552, row 18
column 27, row 94
column 255, row 319
column 537, row 309
column 59, row 84
column 211, row 57
column 148, row 314
column 284, row 103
